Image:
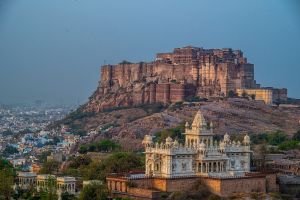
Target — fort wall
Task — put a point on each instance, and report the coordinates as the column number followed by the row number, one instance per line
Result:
column 204, row 72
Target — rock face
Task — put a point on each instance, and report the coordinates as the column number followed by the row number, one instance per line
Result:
column 234, row 115
column 173, row 77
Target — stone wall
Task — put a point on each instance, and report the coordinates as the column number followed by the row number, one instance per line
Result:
column 204, row 72
column 271, row 183
column 147, row 188
column 226, row 187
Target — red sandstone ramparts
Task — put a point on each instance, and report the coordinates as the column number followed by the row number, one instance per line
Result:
column 173, row 77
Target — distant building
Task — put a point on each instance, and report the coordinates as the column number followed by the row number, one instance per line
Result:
column 62, row 184
column 25, row 180
column 179, row 75
column 268, row 95
column 66, row 184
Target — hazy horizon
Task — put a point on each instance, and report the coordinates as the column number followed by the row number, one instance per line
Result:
column 53, row 50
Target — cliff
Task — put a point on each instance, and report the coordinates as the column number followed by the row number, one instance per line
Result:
column 173, row 77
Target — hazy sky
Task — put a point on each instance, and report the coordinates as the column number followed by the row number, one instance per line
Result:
column 53, row 49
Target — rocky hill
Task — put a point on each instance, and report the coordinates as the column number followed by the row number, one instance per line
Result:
column 233, row 115
column 132, row 100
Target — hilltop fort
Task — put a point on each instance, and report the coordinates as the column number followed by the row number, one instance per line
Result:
column 182, row 74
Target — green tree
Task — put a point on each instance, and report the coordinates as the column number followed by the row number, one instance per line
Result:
column 94, row 192
column 79, row 161
column 102, row 146
column 116, row 163
column 49, row 167
column 175, row 133
column 6, row 183
column 231, row 94
column 122, row 162
column 49, row 192
column 67, row 196
column 262, row 151
column 296, row 136
column 10, row 150
column 276, row 138
column 107, row 145
column 290, row 144
column 7, row 174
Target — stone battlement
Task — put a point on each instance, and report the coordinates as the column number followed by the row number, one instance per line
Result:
column 173, row 77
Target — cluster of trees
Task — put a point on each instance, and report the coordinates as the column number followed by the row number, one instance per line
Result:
column 50, row 167
column 7, row 175
column 279, row 139
column 102, row 146
column 120, row 162
column 9, row 150
column 175, row 133
column 94, row 192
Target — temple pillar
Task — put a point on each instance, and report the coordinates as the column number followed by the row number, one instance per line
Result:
column 201, row 167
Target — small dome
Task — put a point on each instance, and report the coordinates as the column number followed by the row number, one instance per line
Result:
column 147, row 139
column 246, row 139
column 226, row 138
column 211, row 125
column 202, row 145
column 222, row 145
column 187, row 125
column 169, row 141
column 176, row 144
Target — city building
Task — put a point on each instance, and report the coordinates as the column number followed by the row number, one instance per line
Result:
column 26, row 180
column 66, row 184
column 268, row 95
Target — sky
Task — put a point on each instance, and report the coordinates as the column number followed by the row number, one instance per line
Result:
column 52, row 50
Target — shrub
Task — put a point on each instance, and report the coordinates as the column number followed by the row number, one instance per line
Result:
column 232, row 94
column 175, row 133
column 296, row 136
column 102, row 146
column 276, row 138
column 287, row 145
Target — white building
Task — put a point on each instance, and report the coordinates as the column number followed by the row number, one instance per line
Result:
column 25, row 180
column 66, row 184
column 199, row 156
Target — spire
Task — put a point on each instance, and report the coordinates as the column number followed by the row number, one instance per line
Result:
column 199, row 120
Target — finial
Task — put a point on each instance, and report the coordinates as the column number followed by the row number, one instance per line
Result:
column 211, row 126
column 187, row 125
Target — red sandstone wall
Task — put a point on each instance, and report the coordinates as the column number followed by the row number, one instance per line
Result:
column 247, row 185
column 167, row 185
column 177, row 92
column 163, row 93
column 271, row 185
column 186, row 184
